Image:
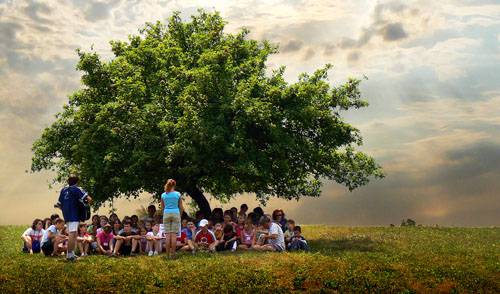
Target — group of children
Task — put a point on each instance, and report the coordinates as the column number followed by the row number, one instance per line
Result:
column 228, row 230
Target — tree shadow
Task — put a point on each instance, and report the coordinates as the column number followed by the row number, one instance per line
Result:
column 331, row 245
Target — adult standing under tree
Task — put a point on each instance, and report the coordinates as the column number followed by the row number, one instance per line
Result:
column 68, row 202
column 171, row 204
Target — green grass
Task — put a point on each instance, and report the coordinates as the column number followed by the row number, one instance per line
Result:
column 375, row 259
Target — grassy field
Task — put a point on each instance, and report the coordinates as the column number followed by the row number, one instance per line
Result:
column 375, row 259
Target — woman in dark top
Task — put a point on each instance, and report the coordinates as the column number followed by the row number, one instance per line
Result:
column 279, row 218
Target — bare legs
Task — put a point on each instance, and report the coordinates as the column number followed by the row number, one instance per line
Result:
column 171, row 242
column 83, row 246
column 265, row 247
column 119, row 243
column 71, row 243
column 27, row 241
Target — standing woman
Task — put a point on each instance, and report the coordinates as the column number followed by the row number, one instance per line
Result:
column 171, row 204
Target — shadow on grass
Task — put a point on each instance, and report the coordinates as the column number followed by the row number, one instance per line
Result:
column 361, row 245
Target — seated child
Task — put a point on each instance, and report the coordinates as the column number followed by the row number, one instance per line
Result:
column 103, row 220
column 83, row 240
column 116, row 227
column 297, row 242
column 260, row 234
column 247, row 236
column 126, row 242
column 53, row 239
column 32, row 237
column 105, row 240
column 182, row 242
column 155, row 238
column 228, row 219
column 149, row 226
column 184, row 223
column 134, row 220
column 228, row 240
column 288, row 234
column 47, row 222
column 205, row 239
column 190, row 231
column 92, row 230
column 240, row 226
column 218, row 232
column 143, row 241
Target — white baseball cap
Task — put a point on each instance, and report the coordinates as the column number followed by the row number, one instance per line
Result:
column 203, row 223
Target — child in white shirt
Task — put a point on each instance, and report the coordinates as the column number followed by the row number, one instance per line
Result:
column 155, row 238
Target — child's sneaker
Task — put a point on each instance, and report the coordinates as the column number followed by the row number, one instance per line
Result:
column 150, row 253
column 155, row 253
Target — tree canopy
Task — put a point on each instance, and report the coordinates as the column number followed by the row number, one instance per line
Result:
column 188, row 101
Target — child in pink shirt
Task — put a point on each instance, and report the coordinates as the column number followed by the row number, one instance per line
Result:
column 105, row 240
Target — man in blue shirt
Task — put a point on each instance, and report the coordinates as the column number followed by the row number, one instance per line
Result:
column 69, row 199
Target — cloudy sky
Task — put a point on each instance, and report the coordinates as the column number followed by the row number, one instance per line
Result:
column 433, row 85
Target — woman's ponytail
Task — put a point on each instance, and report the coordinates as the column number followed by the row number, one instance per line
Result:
column 169, row 185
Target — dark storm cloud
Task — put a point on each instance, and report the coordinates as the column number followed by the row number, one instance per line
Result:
column 451, row 195
column 380, row 26
column 470, row 161
column 393, row 32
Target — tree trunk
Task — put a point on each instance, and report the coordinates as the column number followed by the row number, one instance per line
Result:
column 197, row 195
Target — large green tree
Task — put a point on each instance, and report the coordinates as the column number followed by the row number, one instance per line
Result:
column 185, row 100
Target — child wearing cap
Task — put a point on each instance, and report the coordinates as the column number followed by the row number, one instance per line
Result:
column 204, row 238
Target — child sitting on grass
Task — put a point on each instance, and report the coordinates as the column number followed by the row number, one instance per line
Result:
column 247, row 237
column 32, row 237
column 105, row 240
column 228, row 240
column 83, row 240
column 126, row 243
column 205, row 239
column 103, row 220
column 240, row 226
column 47, row 222
column 182, row 242
column 53, row 239
column 143, row 241
column 190, row 231
column 298, row 242
column 154, row 240
column 289, row 233
column 260, row 233
column 218, row 232
column 228, row 219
